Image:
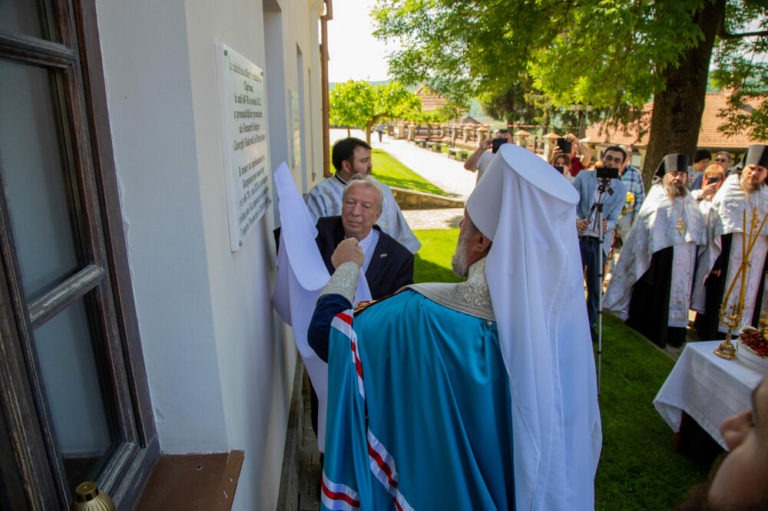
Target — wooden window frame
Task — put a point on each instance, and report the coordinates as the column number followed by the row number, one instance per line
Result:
column 33, row 473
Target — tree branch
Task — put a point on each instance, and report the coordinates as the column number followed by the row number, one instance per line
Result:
column 724, row 34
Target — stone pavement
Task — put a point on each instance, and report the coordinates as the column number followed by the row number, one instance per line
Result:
column 433, row 218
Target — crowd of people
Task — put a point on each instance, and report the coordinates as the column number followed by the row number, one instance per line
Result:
column 482, row 394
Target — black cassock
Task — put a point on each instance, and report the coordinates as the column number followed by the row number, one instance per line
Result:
column 649, row 305
column 708, row 323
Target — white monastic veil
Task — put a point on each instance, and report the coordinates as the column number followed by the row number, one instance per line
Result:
column 535, row 279
column 301, row 276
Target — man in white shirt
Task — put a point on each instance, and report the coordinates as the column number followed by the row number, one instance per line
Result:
column 352, row 156
column 479, row 160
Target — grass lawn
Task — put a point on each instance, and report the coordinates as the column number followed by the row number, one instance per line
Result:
column 391, row 172
column 638, row 469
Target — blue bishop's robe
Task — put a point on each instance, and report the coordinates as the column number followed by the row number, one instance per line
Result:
column 419, row 413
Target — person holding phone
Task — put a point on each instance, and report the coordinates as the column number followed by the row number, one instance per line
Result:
column 742, row 199
column 571, row 145
column 562, row 164
column 714, row 175
column 479, row 160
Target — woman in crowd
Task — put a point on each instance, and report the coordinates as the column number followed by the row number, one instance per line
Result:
column 562, row 162
column 714, row 175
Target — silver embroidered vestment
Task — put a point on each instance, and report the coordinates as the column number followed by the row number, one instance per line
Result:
column 662, row 222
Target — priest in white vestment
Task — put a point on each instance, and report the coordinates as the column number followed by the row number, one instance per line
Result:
column 352, row 156
column 739, row 208
column 651, row 287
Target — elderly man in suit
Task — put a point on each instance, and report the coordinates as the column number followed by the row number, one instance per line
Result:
column 388, row 265
column 594, row 192
column 352, row 156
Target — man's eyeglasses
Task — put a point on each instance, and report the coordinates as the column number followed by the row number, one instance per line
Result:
column 722, row 160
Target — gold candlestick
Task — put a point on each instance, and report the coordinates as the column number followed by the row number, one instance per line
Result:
column 732, row 320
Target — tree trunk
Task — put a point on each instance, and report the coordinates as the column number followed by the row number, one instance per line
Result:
column 677, row 109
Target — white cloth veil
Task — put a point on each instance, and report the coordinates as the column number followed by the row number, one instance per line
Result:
column 535, row 279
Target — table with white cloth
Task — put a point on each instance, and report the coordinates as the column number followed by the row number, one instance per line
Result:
column 707, row 388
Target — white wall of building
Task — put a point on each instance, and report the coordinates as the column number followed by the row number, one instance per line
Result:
column 219, row 364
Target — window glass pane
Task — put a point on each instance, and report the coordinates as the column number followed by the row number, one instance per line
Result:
column 20, row 16
column 72, row 384
column 33, row 178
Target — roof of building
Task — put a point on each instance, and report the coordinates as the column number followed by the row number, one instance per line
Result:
column 430, row 100
column 710, row 136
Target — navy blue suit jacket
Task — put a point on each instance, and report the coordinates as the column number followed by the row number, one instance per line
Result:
column 391, row 266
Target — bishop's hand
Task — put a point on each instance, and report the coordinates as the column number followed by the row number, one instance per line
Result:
column 347, row 251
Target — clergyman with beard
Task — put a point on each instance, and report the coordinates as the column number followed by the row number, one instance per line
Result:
column 472, row 395
column 738, row 208
column 652, row 285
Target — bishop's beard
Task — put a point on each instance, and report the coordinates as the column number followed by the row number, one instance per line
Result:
column 459, row 260
column 676, row 189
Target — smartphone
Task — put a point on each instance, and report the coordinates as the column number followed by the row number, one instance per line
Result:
column 497, row 142
column 564, row 145
column 560, row 168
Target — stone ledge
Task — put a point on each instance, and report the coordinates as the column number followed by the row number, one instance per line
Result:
column 409, row 199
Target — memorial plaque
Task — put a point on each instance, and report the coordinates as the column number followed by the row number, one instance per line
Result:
column 245, row 143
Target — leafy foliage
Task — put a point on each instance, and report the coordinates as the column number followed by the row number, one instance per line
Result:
column 361, row 104
column 743, row 69
column 610, row 53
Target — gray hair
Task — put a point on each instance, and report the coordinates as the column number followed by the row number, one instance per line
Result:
column 725, row 153
column 362, row 180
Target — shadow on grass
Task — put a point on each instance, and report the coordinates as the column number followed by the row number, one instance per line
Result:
column 430, row 272
column 412, row 184
column 638, row 470
column 392, row 172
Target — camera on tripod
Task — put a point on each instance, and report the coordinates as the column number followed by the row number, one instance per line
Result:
column 607, row 173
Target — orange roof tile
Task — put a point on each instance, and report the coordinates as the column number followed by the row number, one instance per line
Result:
column 709, row 135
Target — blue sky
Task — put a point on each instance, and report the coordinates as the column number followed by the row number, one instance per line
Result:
column 354, row 53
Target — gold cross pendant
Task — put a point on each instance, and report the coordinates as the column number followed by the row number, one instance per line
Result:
column 680, row 225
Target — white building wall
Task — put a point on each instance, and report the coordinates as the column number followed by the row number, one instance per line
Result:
column 219, row 365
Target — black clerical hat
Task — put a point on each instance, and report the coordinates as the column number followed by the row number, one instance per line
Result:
column 757, row 155
column 674, row 162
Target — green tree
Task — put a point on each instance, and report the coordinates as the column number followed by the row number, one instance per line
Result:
column 613, row 54
column 743, row 69
column 361, row 104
